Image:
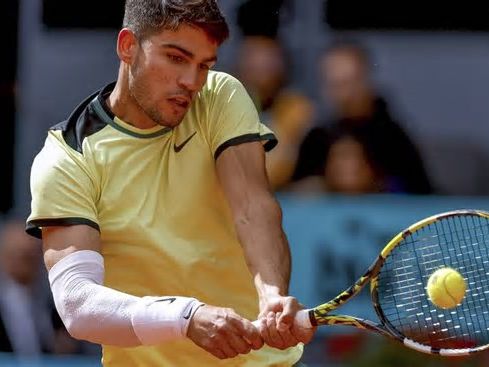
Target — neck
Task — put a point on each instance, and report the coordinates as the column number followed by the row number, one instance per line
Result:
column 124, row 106
column 362, row 108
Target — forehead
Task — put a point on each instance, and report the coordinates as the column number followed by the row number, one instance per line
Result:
column 342, row 63
column 188, row 37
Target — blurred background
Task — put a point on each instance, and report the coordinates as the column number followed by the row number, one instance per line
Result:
column 381, row 109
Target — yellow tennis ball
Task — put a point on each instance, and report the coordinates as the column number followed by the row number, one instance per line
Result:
column 446, row 288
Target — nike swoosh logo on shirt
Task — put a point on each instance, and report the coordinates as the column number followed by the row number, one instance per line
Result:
column 178, row 148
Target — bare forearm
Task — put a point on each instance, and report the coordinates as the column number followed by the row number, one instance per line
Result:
column 259, row 227
column 258, row 221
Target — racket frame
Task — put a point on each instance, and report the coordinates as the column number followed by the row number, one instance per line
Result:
column 320, row 315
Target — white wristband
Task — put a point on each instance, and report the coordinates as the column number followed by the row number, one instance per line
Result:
column 160, row 319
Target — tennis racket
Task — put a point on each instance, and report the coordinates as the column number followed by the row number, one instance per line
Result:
column 398, row 278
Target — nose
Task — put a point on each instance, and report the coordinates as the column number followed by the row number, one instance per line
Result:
column 190, row 80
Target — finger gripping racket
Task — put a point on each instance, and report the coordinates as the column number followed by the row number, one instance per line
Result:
column 398, row 279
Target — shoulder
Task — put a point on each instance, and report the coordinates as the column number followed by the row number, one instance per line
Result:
column 223, row 97
column 65, row 148
column 87, row 119
column 56, row 156
column 220, row 84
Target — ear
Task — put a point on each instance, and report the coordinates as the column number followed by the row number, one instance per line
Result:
column 127, row 45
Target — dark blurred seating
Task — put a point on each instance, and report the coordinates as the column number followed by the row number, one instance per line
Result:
column 259, row 18
column 8, row 103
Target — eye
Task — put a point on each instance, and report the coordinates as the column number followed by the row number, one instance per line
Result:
column 204, row 67
column 176, row 59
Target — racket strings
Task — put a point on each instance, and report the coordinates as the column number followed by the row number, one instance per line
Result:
column 469, row 266
column 459, row 242
column 479, row 288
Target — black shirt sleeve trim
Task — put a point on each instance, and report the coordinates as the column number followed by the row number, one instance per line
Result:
column 33, row 227
column 247, row 138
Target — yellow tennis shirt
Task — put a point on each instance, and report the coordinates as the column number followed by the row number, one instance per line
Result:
column 154, row 195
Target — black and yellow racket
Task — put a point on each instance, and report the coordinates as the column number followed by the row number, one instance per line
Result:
column 456, row 240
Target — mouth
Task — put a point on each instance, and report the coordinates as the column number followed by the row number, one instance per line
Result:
column 180, row 102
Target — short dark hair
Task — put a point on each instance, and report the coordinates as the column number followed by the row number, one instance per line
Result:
column 352, row 46
column 145, row 17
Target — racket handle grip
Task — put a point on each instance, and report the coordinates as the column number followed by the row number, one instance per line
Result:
column 301, row 320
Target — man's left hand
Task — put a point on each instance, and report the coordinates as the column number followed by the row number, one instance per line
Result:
column 276, row 323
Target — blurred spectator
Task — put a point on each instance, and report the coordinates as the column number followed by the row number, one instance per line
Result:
column 262, row 67
column 26, row 311
column 357, row 106
column 349, row 167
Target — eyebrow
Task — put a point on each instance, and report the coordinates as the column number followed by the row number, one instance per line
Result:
column 187, row 52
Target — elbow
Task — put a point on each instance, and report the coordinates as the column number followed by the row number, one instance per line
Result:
column 260, row 209
column 76, row 327
column 75, row 317
column 270, row 207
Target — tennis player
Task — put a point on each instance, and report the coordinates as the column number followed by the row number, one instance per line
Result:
column 159, row 229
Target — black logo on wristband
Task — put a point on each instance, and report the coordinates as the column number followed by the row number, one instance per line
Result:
column 186, row 317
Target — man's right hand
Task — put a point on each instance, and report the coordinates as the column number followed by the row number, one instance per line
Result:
column 222, row 332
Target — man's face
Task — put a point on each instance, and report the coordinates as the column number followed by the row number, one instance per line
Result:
column 348, row 169
column 344, row 79
column 169, row 68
